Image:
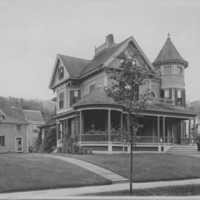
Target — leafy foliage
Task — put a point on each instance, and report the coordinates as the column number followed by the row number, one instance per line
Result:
column 71, row 147
column 124, row 90
column 46, row 145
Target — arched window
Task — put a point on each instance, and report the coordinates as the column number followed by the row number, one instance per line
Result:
column 61, row 73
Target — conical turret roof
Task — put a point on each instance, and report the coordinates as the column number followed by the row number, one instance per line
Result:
column 169, row 54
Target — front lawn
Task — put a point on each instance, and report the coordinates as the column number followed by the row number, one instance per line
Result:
column 148, row 167
column 21, row 172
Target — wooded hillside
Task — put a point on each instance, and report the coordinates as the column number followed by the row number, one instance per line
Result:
column 47, row 108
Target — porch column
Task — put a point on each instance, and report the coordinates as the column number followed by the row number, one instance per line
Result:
column 195, row 136
column 190, row 130
column 57, row 130
column 163, row 129
column 158, row 129
column 109, row 125
column 67, row 127
column 121, row 125
column 81, row 126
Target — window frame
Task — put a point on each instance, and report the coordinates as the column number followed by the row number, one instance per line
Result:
column 61, row 100
column 166, row 92
column 2, row 140
column 164, row 72
column 17, row 127
column 60, row 72
column 181, row 70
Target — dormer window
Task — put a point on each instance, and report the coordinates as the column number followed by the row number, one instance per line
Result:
column 61, row 73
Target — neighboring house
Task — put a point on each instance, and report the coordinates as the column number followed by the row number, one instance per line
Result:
column 35, row 119
column 85, row 112
column 13, row 131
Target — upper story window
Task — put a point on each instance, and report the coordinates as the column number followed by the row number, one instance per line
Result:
column 166, row 94
column 19, row 127
column 167, row 70
column 74, row 96
column 91, row 87
column 180, row 101
column 179, row 70
column 2, row 140
column 61, row 100
column 61, row 73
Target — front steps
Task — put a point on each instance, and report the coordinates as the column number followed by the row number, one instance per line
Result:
column 183, row 149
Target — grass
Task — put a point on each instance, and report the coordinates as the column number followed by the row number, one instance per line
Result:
column 189, row 190
column 148, row 167
column 22, row 172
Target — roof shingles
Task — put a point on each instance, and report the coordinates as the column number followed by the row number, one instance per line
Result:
column 169, row 53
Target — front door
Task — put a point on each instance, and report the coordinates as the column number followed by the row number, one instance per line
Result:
column 19, row 144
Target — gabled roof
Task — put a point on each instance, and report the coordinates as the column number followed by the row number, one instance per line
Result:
column 34, row 117
column 168, row 54
column 13, row 115
column 78, row 68
column 98, row 96
column 74, row 66
column 99, row 59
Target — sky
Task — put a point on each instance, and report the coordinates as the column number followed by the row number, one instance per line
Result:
column 33, row 32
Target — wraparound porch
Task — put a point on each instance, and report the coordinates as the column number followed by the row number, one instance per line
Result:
column 93, row 127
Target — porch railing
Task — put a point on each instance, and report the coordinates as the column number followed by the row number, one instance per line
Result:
column 104, row 138
column 94, row 138
column 163, row 101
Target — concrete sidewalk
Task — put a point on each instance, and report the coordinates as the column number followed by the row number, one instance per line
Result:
column 73, row 193
column 113, row 177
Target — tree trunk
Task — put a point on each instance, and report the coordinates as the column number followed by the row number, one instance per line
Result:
column 131, row 154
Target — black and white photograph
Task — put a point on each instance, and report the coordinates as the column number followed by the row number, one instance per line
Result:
column 99, row 99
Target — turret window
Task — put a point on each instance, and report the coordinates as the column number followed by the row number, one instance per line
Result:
column 167, row 70
column 179, row 70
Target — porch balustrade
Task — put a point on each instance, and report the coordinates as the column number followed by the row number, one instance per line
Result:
column 163, row 101
column 103, row 138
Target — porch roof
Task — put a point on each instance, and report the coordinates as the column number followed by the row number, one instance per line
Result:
column 97, row 97
column 170, row 110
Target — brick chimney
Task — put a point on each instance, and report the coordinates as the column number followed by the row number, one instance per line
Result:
column 109, row 40
column 108, row 44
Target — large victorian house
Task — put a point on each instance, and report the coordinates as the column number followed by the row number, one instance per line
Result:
column 87, row 114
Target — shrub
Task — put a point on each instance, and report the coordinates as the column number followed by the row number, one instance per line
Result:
column 70, row 147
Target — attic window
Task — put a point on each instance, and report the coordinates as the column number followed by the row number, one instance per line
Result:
column 61, row 73
column 19, row 127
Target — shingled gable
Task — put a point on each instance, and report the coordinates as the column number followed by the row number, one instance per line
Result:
column 72, row 65
column 107, row 56
column 78, row 68
column 168, row 54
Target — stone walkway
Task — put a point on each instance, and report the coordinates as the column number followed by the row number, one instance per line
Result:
column 114, row 178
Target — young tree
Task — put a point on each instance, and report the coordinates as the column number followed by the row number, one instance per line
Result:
column 124, row 90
